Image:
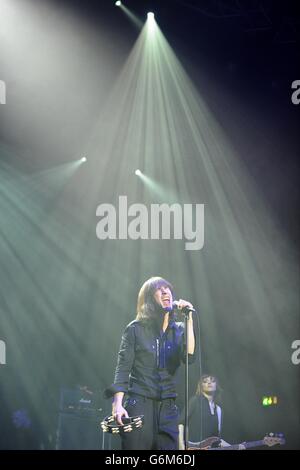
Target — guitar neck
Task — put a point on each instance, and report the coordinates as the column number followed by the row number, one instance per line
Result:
column 247, row 445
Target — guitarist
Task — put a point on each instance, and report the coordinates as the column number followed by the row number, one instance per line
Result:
column 203, row 405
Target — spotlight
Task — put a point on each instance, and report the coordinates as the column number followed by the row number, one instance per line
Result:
column 118, row 3
column 138, row 172
column 83, row 159
column 151, row 24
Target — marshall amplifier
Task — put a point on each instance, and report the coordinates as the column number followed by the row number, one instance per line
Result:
column 79, row 420
column 79, row 400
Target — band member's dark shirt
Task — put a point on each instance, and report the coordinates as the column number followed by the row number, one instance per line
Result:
column 148, row 360
column 199, row 406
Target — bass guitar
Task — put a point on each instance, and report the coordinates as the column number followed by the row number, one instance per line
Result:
column 215, row 443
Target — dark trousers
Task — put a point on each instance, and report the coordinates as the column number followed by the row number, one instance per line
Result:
column 160, row 429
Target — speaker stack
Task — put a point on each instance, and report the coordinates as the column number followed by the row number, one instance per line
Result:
column 79, row 422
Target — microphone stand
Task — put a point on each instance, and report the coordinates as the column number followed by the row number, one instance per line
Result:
column 186, row 415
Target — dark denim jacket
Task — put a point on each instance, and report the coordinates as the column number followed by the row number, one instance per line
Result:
column 148, row 360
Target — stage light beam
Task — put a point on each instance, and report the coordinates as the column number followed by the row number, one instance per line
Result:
column 132, row 17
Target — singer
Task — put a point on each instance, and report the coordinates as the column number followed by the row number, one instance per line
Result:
column 151, row 350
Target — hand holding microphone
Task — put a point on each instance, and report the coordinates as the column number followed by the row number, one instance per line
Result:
column 187, row 309
column 182, row 306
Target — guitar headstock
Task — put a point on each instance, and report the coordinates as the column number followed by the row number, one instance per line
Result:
column 272, row 439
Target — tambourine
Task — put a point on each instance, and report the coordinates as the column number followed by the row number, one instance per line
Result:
column 110, row 425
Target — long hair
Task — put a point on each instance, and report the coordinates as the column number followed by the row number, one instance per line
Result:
column 219, row 390
column 146, row 305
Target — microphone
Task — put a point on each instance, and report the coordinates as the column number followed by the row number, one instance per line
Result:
column 175, row 306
